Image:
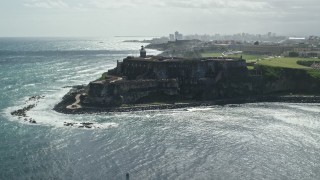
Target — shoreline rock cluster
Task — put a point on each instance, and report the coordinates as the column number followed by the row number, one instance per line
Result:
column 22, row 113
column 87, row 125
column 33, row 100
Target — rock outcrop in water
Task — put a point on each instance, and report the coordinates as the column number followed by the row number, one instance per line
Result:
column 22, row 113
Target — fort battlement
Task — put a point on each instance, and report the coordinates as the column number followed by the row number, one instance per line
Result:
column 181, row 68
column 139, row 77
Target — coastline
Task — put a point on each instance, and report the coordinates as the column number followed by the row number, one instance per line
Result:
column 276, row 81
column 70, row 98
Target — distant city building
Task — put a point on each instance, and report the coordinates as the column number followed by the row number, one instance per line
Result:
column 297, row 38
column 175, row 36
column 314, row 41
column 178, row 36
column 269, row 34
column 267, row 38
column 264, row 49
column 171, row 37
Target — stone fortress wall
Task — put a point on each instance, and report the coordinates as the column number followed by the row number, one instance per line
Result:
column 140, row 77
column 138, row 68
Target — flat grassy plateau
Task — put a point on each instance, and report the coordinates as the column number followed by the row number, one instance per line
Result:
column 280, row 62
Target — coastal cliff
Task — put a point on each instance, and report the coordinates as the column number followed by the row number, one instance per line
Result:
column 288, row 80
column 156, row 78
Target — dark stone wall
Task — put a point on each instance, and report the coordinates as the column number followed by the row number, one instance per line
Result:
column 185, row 69
column 95, row 89
column 147, row 78
column 128, row 91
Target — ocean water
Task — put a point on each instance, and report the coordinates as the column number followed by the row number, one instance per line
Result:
column 249, row 141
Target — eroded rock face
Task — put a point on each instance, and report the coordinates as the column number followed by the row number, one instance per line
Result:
column 288, row 80
column 124, row 91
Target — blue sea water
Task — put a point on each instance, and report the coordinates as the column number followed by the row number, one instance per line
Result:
column 249, row 141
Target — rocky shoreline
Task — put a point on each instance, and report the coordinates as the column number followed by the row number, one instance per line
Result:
column 70, row 98
column 33, row 101
column 22, row 113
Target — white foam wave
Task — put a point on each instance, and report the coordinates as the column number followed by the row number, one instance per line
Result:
column 306, row 107
column 289, row 116
column 199, row 109
column 30, row 85
column 7, row 87
column 43, row 114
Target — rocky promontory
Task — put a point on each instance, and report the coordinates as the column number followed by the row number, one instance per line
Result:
column 157, row 82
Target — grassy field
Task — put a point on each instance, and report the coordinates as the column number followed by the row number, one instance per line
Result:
column 103, row 76
column 247, row 57
column 211, row 54
column 250, row 67
column 286, row 62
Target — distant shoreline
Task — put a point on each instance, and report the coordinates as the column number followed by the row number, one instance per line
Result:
column 135, row 36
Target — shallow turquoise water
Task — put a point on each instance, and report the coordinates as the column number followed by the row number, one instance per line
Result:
column 250, row 141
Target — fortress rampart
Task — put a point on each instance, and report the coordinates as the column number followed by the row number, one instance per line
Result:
column 137, row 78
column 159, row 68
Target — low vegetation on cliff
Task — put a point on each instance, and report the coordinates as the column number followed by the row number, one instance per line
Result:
column 281, row 74
column 293, row 63
column 287, row 62
column 248, row 57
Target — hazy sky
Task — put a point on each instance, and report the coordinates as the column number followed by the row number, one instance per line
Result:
column 157, row 17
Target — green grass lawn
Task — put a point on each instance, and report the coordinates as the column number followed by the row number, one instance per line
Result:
column 286, row 62
column 247, row 57
column 211, row 54
column 250, row 67
column 103, row 76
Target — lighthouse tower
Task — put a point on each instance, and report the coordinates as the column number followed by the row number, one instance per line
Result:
column 143, row 52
